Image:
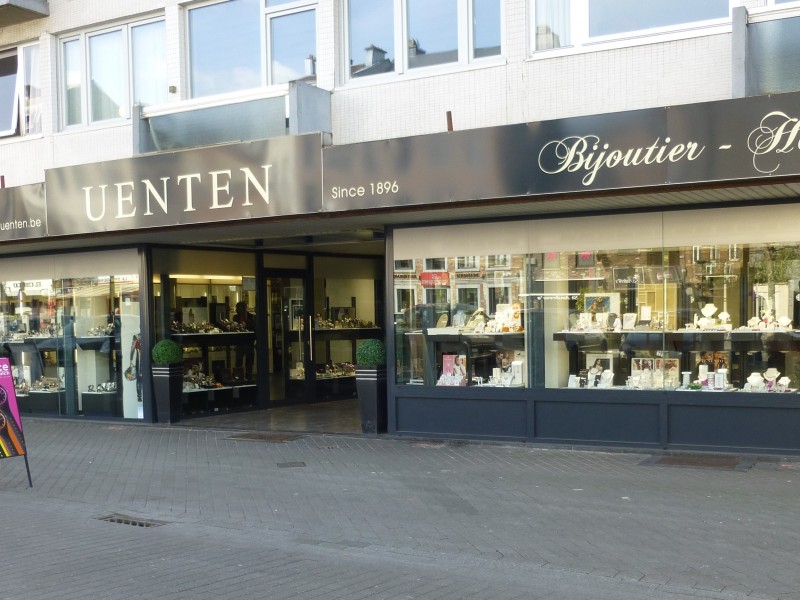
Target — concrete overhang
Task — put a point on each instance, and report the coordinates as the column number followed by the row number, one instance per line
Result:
column 13, row 12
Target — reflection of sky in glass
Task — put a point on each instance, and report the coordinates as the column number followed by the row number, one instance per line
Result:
column 149, row 66
column 486, row 23
column 371, row 23
column 225, row 47
column 617, row 16
column 772, row 51
column 107, row 75
column 72, row 90
column 8, row 83
column 293, row 40
column 434, row 24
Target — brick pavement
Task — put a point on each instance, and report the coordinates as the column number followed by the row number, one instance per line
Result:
column 356, row 517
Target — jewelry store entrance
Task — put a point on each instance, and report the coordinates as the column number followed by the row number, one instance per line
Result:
column 310, row 315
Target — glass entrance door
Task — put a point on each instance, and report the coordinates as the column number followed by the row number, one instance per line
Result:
column 288, row 338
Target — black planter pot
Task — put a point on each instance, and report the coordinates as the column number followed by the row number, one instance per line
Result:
column 371, row 388
column 168, row 391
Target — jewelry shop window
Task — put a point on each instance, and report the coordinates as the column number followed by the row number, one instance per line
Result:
column 206, row 302
column 469, row 327
column 70, row 327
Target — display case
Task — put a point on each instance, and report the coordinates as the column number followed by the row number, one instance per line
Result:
column 38, row 378
column 212, row 381
column 335, row 358
column 98, row 360
column 759, row 360
column 459, row 358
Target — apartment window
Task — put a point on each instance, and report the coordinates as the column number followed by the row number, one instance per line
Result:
column 106, row 72
column 292, row 46
column 224, row 47
column 404, row 265
column 371, row 37
column 498, row 261
column 20, row 92
column 498, row 294
column 405, row 299
column 395, row 36
column 468, row 297
column 435, row 264
column 227, row 52
column 562, row 23
column 440, row 296
column 468, row 263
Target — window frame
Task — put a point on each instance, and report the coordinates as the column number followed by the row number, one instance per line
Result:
column 20, row 109
column 476, row 287
column 465, row 40
column 470, row 265
column 273, row 13
column 492, row 262
column 266, row 15
column 428, row 266
column 404, row 269
column 581, row 42
column 401, row 290
column 83, row 38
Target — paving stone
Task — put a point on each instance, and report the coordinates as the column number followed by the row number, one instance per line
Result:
column 382, row 518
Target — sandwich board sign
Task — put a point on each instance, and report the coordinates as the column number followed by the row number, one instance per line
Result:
column 12, row 442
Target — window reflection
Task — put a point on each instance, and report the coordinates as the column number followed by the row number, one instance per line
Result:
column 432, row 32
column 708, row 318
column 371, row 37
column 293, row 47
column 8, row 87
column 486, row 27
column 607, row 17
column 107, row 76
column 149, row 68
column 225, row 47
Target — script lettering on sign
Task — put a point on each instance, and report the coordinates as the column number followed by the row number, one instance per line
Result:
column 589, row 154
column 776, row 134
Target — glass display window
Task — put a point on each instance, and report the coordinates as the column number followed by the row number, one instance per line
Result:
column 70, row 328
column 206, row 301
column 467, row 328
column 677, row 307
column 348, row 296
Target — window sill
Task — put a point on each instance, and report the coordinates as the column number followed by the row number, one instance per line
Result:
column 423, row 73
column 631, row 41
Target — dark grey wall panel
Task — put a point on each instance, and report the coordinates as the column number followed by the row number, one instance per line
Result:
column 767, row 427
column 454, row 416
column 621, row 423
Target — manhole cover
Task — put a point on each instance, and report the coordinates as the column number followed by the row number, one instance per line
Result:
column 732, row 463
column 136, row 522
column 257, row 436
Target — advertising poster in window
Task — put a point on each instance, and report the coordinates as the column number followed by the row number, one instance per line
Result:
column 130, row 337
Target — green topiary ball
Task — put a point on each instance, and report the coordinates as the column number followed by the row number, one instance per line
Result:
column 371, row 352
column 167, row 352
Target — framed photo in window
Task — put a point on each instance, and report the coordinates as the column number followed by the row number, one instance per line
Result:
column 595, row 303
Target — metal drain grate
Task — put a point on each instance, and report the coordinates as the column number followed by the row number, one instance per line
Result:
column 125, row 520
column 256, row 436
column 291, row 465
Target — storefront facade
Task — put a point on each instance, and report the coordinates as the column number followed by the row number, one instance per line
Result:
column 662, row 316
column 621, row 279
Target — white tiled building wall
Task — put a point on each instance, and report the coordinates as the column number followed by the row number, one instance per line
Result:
column 516, row 90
